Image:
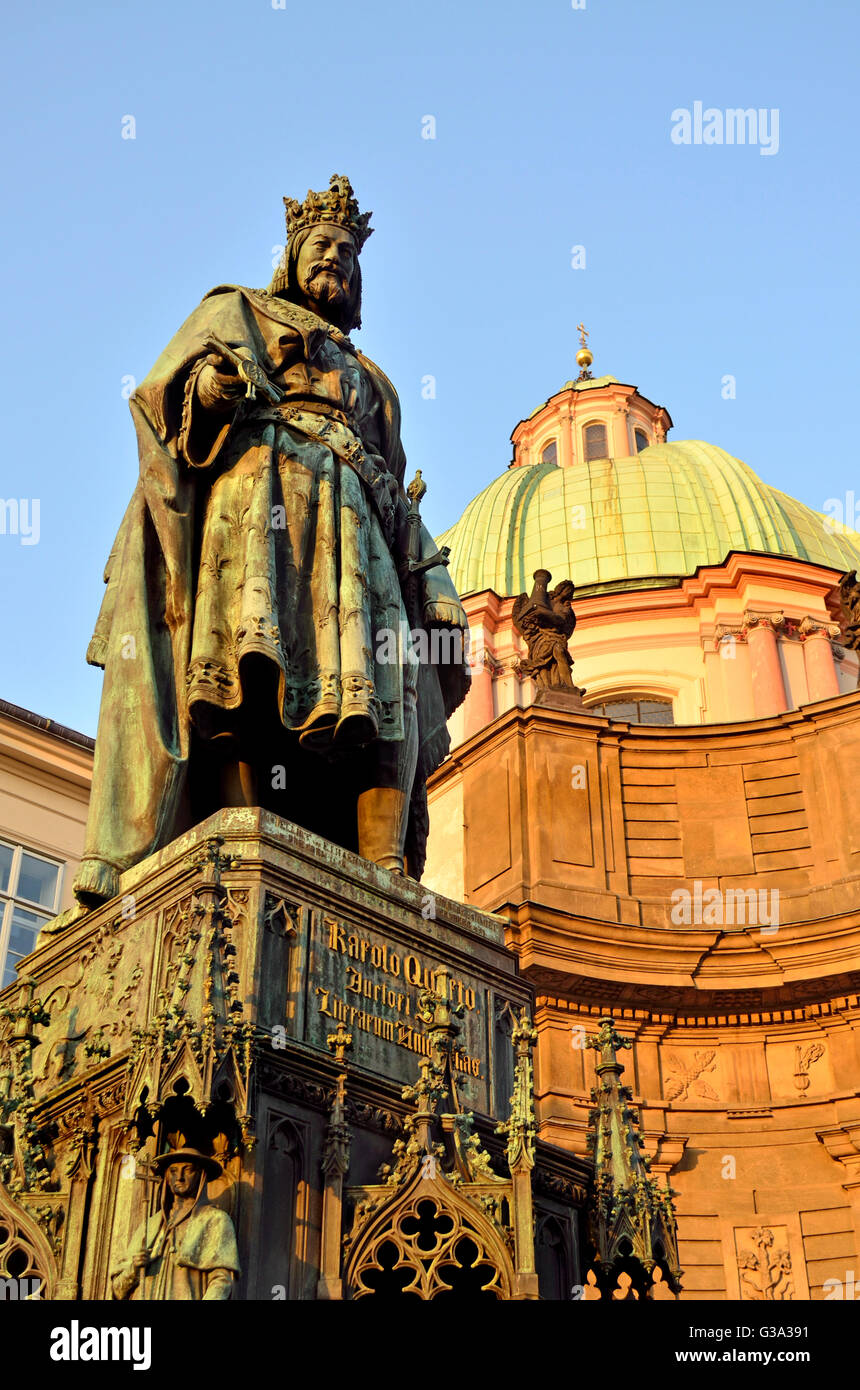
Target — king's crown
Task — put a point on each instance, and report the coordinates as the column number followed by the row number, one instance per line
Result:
column 337, row 205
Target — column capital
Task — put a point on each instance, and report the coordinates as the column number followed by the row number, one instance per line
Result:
column 724, row 630
column 489, row 663
column 773, row 622
column 814, row 627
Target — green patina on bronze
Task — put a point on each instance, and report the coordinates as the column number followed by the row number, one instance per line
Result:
column 261, row 555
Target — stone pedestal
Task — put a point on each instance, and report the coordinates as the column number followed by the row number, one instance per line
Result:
column 562, row 697
column 203, row 1001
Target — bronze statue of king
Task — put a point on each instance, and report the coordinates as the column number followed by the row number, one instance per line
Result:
column 269, row 546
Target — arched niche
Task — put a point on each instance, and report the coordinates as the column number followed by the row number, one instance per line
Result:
column 25, row 1254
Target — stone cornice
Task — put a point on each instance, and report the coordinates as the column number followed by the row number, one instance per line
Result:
column 693, row 962
column 842, row 1142
column 639, row 1017
column 517, row 722
column 706, row 585
column 292, row 858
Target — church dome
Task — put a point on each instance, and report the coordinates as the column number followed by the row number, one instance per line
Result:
column 644, row 520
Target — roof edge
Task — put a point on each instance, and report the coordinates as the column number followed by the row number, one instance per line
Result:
column 48, row 726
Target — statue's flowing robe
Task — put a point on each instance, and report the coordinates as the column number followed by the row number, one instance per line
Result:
column 269, row 532
column 196, row 1258
column 549, row 658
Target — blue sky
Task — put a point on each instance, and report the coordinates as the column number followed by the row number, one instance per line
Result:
column 552, row 130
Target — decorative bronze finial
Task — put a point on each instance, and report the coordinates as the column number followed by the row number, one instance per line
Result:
column 335, row 1166
column 607, row 1042
column 632, row 1221
column 416, row 489
column 209, row 859
column 340, row 1041
column 520, row 1127
column 584, row 357
column 437, row 1010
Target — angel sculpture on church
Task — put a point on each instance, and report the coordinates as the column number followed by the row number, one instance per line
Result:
column 545, row 621
column 849, row 594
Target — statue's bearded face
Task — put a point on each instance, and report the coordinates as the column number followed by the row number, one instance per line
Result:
column 326, row 265
column 183, row 1178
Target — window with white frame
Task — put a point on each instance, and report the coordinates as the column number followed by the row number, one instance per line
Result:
column 29, row 897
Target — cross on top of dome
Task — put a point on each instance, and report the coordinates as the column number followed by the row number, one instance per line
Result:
column 584, row 357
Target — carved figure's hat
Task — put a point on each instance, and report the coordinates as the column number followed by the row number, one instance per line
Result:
column 211, row 1166
column 336, row 205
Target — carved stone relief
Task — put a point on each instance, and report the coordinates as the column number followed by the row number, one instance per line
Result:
column 688, row 1074
column 764, row 1264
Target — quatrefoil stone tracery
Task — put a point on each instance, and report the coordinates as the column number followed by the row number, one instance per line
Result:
column 427, row 1250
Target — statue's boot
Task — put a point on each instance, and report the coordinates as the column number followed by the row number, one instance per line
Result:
column 96, row 882
column 237, row 778
column 382, row 815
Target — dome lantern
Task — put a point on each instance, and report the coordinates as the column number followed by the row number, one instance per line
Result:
column 624, row 518
column 589, row 418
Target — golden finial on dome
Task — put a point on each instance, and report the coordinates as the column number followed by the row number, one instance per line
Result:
column 584, row 357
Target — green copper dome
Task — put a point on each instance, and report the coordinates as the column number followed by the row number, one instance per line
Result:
column 645, row 521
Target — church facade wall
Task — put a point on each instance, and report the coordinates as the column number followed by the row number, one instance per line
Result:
column 702, row 885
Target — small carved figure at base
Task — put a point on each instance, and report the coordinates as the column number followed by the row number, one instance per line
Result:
column 188, row 1250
